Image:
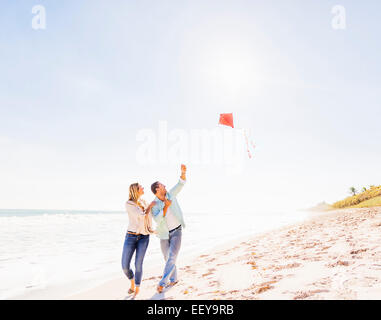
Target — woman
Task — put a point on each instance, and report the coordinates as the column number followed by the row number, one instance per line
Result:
column 137, row 237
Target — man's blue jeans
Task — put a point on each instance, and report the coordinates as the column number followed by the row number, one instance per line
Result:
column 139, row 244
column 170, row 248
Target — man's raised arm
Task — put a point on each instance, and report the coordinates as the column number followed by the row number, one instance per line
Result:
column 177, row 188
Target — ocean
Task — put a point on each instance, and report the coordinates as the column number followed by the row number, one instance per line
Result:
column 55, row 253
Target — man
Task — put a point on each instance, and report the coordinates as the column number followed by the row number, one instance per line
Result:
column 169, row 219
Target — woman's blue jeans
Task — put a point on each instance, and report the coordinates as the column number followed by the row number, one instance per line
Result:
column 132, row 243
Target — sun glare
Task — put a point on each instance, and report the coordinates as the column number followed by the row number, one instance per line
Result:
column 228, row 70
column 231, row 70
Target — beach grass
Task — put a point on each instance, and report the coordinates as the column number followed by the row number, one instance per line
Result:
column 368, row 198
column 375, row 202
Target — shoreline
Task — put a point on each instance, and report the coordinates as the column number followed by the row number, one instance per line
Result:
column 76, row 272
column 65, row 291
column 120, row 284
column 329, row 255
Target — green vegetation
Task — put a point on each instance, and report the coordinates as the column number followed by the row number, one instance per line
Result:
column 375, row 202
column 368, row 198
column 353, row 191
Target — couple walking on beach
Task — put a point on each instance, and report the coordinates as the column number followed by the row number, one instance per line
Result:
column 168, row 216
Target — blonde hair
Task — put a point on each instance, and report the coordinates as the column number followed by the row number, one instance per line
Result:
column 134, row 196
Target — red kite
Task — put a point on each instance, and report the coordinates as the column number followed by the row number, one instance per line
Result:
column 226, row 119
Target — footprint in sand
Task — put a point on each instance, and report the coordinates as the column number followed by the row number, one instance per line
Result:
column 338, row 263
column 264, row 289
column 306, row 294
column 210, row 272
column 212, row 283
column 360, row 282
column 358, row 251
column 287, row 266
column 376, row 267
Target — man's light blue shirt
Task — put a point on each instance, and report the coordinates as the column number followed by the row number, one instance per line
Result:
column 158, row 211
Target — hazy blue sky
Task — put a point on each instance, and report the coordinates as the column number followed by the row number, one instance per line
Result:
column 74, row 96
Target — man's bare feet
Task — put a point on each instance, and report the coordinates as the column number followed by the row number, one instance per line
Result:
column 137, row 289
column 160, row 289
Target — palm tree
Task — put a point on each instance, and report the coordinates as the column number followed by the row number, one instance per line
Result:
column 353, row 191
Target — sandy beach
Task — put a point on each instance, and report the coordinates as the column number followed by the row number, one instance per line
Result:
column 335, row 255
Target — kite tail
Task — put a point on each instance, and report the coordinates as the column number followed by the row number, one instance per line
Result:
column 247, row 144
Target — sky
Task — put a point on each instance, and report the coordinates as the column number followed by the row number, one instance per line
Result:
column 75, row 96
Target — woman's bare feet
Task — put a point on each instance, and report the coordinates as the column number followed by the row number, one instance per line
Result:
column 137, row 289
column 132, row 289
column 171, row 284
column 160, row 289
